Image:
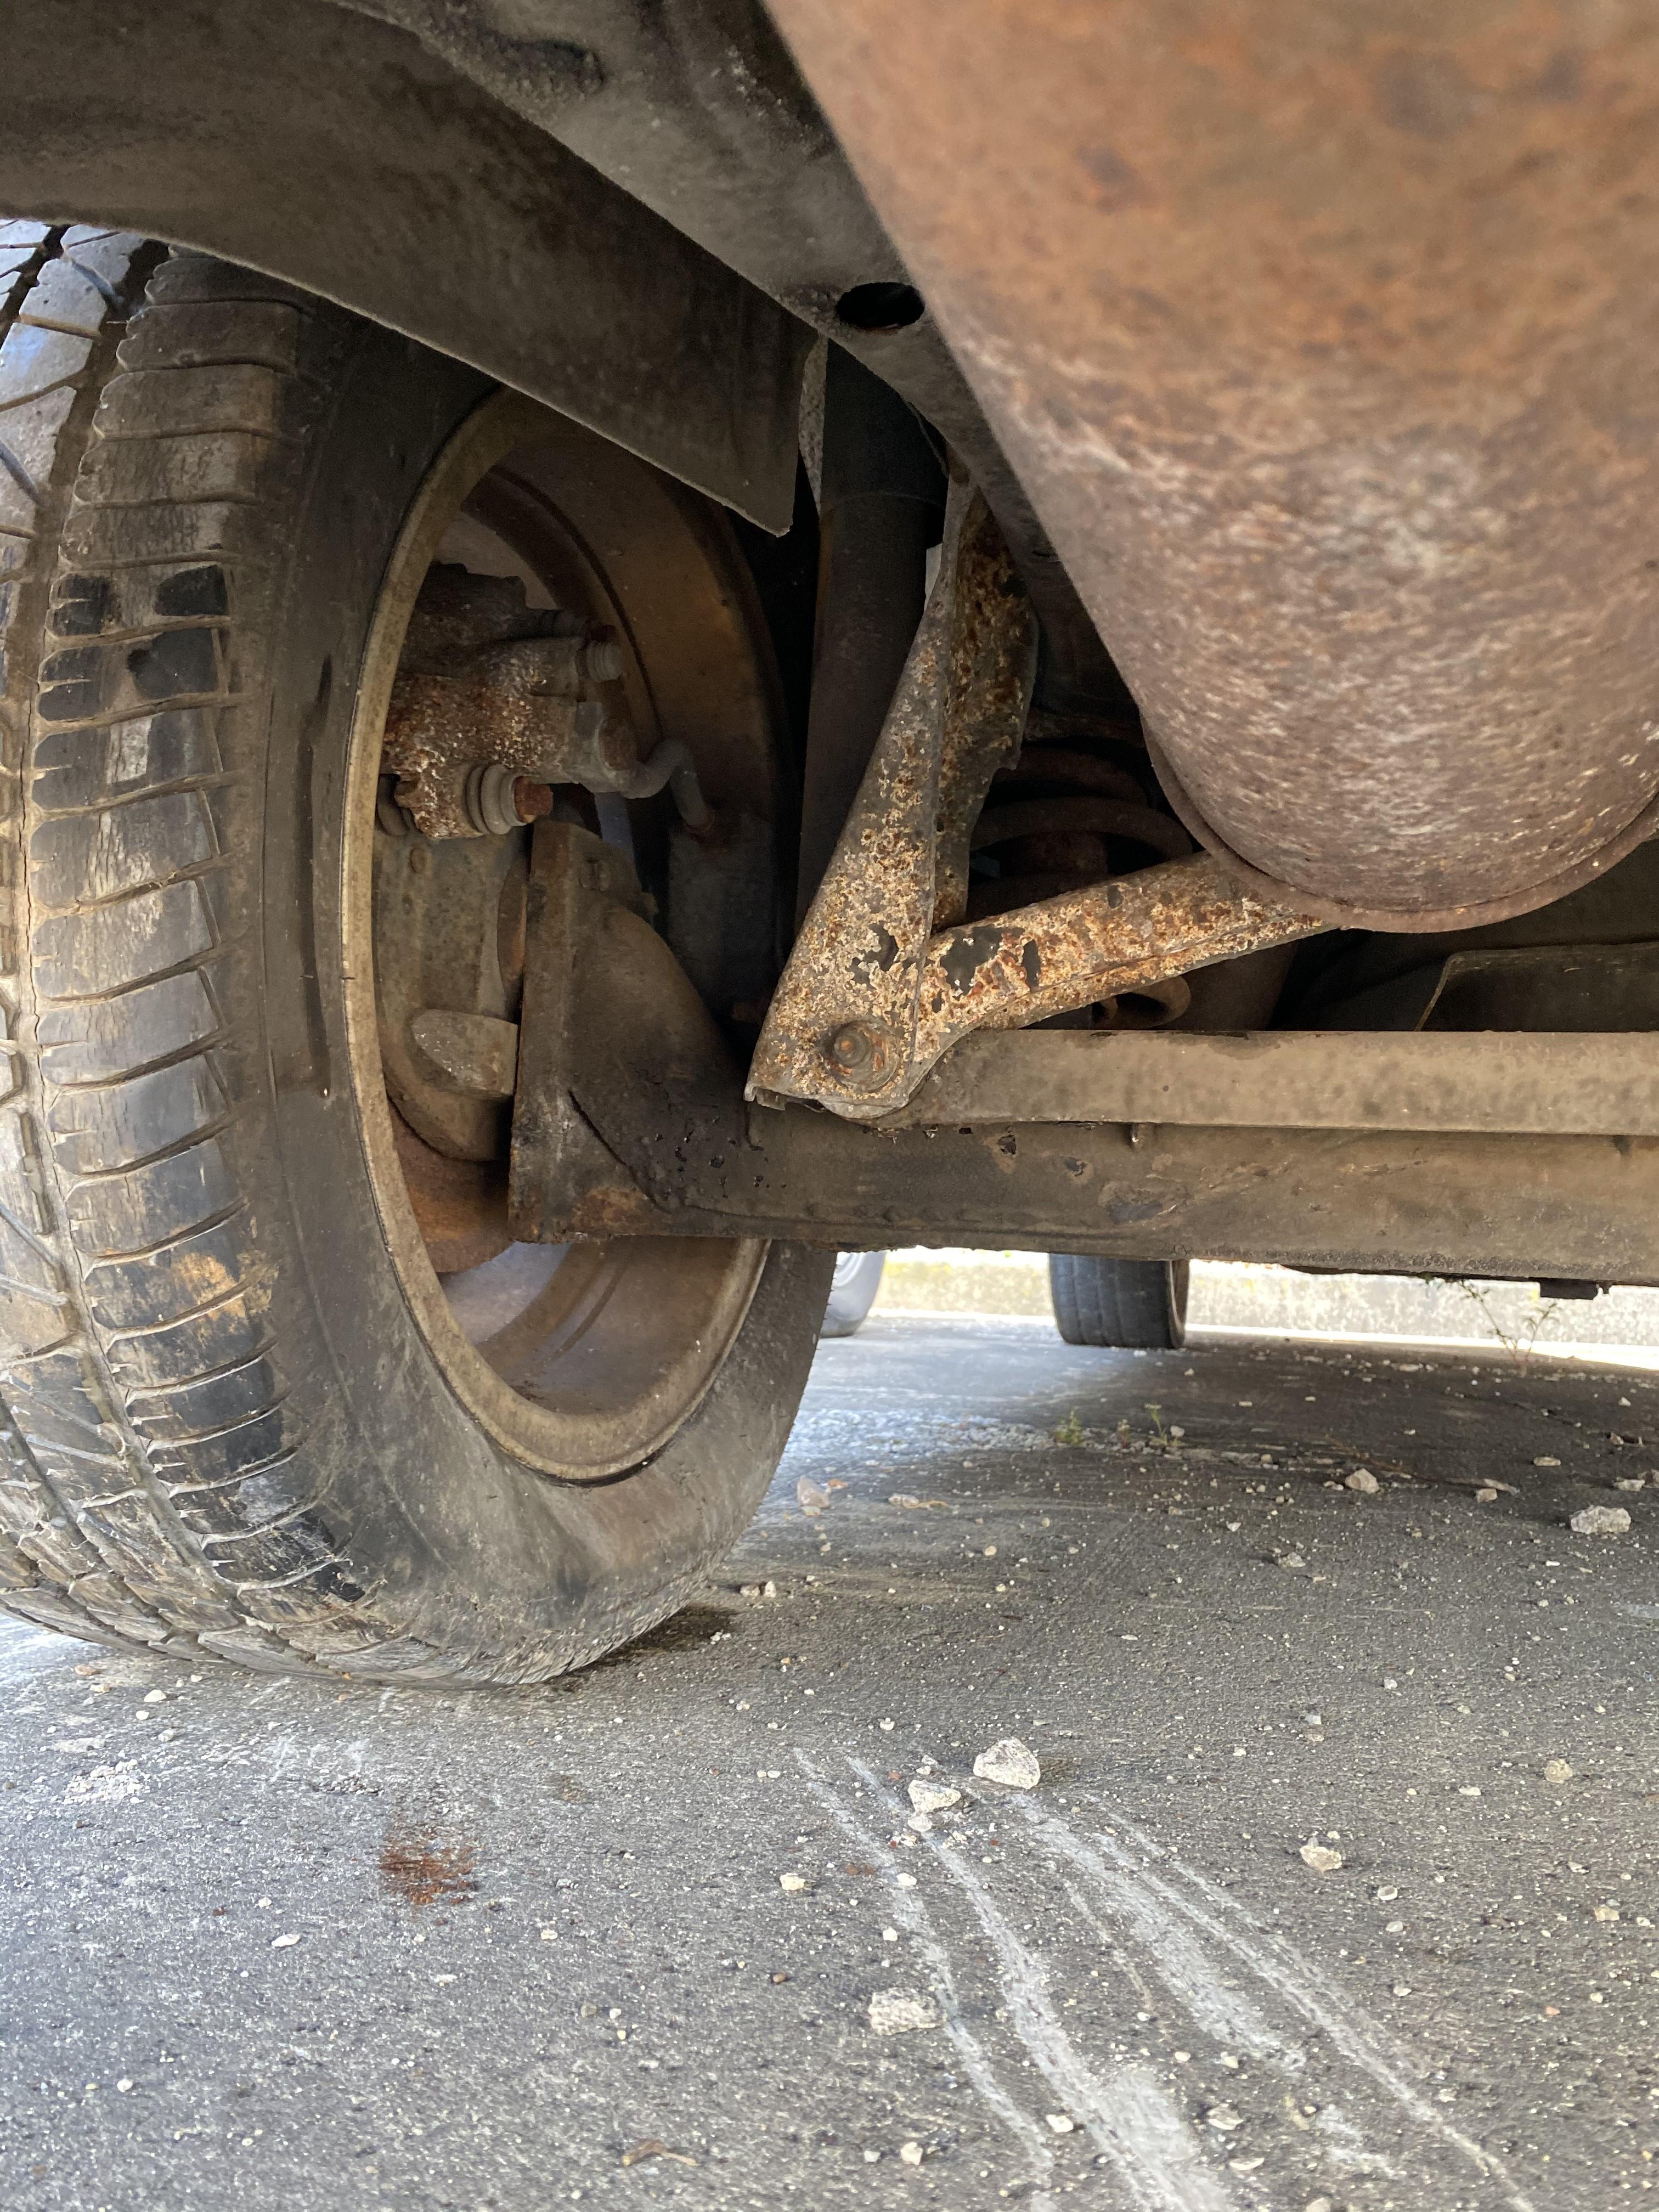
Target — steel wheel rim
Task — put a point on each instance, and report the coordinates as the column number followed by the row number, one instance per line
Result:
column 583, row 1362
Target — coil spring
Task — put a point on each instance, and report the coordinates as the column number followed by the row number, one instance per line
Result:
column 1075, row 808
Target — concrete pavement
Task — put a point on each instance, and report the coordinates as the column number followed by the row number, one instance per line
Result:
column 308, row 1944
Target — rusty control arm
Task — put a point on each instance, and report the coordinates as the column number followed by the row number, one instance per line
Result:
column 885, row 975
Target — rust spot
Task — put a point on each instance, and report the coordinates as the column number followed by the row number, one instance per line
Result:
column 421, row 1870
column 967, row 952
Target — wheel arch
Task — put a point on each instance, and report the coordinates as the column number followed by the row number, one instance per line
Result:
column 325, row 147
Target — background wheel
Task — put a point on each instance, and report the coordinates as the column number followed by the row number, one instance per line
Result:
column 248, row 1412
column 1138, row 1304
column 852, row 1292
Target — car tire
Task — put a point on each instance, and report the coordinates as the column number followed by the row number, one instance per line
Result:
column 852, row 1292
column 232, row 1427
column 1131, row 1304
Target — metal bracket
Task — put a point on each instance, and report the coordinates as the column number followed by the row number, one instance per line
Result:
column 886, row 975
column 620, row 1063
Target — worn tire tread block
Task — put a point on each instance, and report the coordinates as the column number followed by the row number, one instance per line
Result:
column 149, row 1486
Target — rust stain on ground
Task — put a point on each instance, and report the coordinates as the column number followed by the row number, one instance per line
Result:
column 421, row 1870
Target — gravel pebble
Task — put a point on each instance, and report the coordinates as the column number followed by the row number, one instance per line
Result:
column 1011, row 1762
column 900, row 2011
column 1600, row 1521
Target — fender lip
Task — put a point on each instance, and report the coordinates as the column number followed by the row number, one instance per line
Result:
column 328, row 150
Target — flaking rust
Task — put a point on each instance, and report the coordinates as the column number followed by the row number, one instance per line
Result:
column 841, row 1021
column 484, row 678
column 887, row 973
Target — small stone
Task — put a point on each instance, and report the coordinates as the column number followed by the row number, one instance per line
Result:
column 1062, row 2123
column 124, row 2084
column 1290, row 1559
column 1320, row 1858
column 792, row 1882
column 886, row 1726
column 1630, row 1482
column 282, row 1943
column 920, row 1824
column 1224, row 2118
column 1607, row 1911
column 1485, row 1498
column 905, row 1880
column 1386, row 1894
column 155, row 1697
column 1468, row 1789
column 911, row 2154
column 933, row 1796
column 1318, row 2204
column 1011, row 1762
column 1246, row 2164
column 1600, row 1521
column 898, row 2012
column 1557, row 1770
column 548, row 1934
column 1363, row 1480
column 811, row 1496
column 1546, row 1461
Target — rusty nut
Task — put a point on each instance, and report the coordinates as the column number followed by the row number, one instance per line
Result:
column 861, row 1055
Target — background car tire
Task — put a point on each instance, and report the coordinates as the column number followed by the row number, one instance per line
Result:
column 225, row 1431
column 1134, row 1305
column 852, row 1292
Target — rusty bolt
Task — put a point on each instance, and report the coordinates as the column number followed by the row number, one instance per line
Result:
column 861, row 1054
column 497, row 800
column 532, row 800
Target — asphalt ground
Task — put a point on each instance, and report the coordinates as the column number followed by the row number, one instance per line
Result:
column 300, row 1944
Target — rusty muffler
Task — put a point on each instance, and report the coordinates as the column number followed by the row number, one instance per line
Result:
column 1325, row 341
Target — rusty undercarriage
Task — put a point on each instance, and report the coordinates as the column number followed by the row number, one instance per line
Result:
column 1229, row 744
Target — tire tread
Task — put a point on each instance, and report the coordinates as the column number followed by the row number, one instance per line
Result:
column 1127, row 1303
column 150, row 1486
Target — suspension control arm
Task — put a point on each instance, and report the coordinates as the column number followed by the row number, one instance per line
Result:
column 886, row 975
